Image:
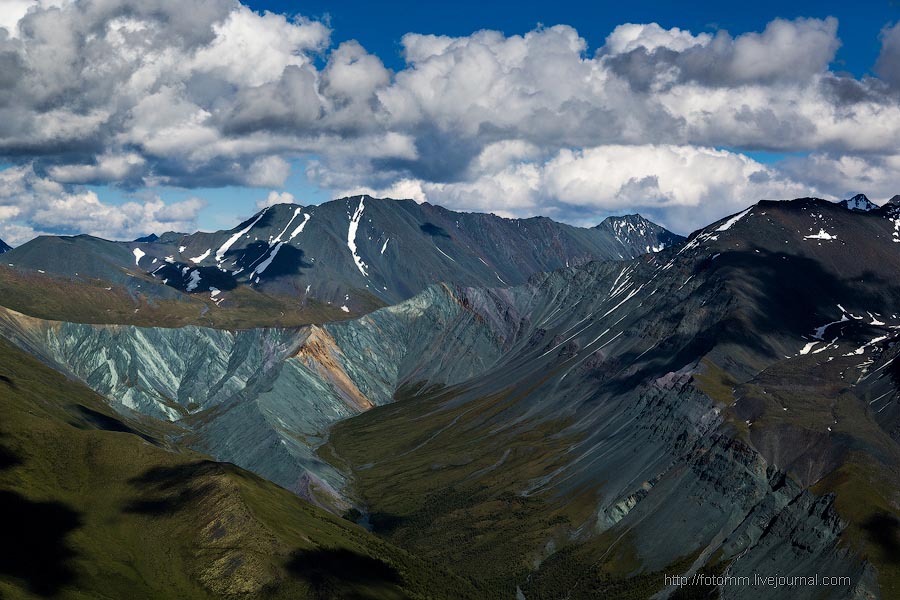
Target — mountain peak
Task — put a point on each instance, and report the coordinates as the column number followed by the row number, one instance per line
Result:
column 632, row 218
column 4, row 247
column 147, row 239
column 858, row 202
column 638, row 233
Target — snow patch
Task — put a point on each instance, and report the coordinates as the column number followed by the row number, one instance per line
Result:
column 300, row 227
column 727, row 224
column 277, row 239
column 351, row 237
column 808, row 347
column 451, row 258
column 194, row 282
column 138, row 255
column 202, row 257
column 820, row 331
column 822, row 235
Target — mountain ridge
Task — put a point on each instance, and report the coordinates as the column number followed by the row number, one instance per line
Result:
column 353, row 254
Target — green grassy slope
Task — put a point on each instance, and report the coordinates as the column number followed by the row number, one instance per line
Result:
column 93, row 506
column 438, row 482
column 429, row 490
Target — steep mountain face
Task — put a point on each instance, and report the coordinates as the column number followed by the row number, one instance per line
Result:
column 98, row 505
column 637, row 235
column 859, row 202
column 264, row 398
column 4, row 247
column 354, row 254
column 361, row 252
column 731, row 403
column 689, row 410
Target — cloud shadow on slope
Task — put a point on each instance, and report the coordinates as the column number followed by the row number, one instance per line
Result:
column 329, row 570
column 35, row 548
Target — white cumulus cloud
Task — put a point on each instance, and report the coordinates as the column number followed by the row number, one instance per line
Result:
column 207, row 93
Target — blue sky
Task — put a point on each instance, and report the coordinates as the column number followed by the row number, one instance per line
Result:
column 380, row 25
column 193, row 114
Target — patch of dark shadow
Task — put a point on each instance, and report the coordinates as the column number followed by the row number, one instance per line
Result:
column 165, row 490
column 385, row 523
column 782, row 294
column 246, row 258
column 109, row 423
column 168, row 504
column 35, row 548
column 328, row 570
column 288, row 261
column 8, row 458
column 218, row 532
column 793, row 292
column 883, row 529
column 179, row 276
column 434, row 231
column 213, row 277
column 6, row 380
column 353, row 515
column 170, row 477
column 669, row 355
column 894, row 371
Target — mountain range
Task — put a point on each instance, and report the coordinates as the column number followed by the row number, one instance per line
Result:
column 506, row 408
column 353, row 254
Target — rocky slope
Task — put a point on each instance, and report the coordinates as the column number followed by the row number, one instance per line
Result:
column 97, row 505
column 637, row 235
column 675, row 395
column 354, row 254
column 4, row 247
column 264, row 398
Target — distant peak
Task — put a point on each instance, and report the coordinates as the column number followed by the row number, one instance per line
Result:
column 4, row 247
column 895, row 201
column 147, row 239
column 858, row 202
column 634, row 230
column 634, row 218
